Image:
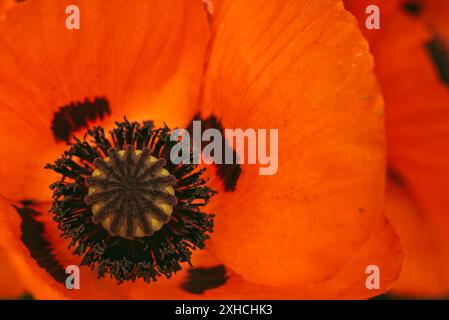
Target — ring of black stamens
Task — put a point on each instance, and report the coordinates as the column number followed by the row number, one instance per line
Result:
column 148, row 257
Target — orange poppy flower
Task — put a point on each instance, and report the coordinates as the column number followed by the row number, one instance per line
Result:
column 411, row 63
column 301, row 66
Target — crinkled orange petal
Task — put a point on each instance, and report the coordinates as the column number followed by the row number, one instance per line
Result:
column 348, row 282
column 304, row 68
column 41, row 284
column 424, row 272
column 417, row 125
column 11, row 285
column 145, row 57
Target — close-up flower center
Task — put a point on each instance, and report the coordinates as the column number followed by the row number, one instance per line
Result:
column 131, row 193
column 127, row 209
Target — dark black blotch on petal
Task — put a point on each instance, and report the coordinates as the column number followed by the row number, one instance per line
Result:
column 412, row 7
column 201, row 279
column 33, row 238
column 439, row 53
column 76, row 115
column 396, row 177
column 228, row 173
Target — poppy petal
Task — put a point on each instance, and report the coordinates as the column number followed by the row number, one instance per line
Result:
column 424, row 272
column 40, row 257
column 5, row 5
column 144, row 57
column 408, row 63
column 11, row 285
column 417, row 120
column 304, row 68
column 349, row 282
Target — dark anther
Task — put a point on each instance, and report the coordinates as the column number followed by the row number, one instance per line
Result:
column 77, row 115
